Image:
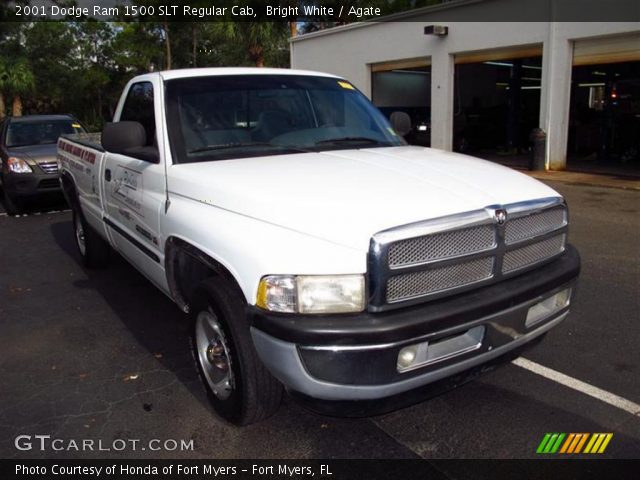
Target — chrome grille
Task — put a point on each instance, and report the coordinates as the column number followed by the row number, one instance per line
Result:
column 532, row 254
column 410, row 285
column 49, row 167
column 535, row 224
column 441, row 245
column 439, row 257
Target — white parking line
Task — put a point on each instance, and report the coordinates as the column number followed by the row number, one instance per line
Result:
column 4, row 214
column 582, row 387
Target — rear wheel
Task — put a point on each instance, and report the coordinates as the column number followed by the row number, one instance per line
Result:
column 240, row 388
column 93, row 249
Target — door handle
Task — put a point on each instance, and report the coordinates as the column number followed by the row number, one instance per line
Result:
column 107, row 175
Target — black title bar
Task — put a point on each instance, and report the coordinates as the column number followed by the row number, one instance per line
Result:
column 336, row 11
column 318, row 469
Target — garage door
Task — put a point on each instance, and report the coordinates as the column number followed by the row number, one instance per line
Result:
column 496, row 54
column 402, row 64
column 607, row 50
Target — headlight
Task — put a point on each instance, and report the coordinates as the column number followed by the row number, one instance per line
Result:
column 312, row 293
column 18, row 165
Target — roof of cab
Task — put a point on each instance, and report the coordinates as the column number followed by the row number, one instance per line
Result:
column 204, row 72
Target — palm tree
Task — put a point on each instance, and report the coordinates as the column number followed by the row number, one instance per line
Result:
column 20, row 81
column 4, row 77
column 255, row 37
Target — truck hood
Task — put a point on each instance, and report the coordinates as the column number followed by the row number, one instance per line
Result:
column 346, row 196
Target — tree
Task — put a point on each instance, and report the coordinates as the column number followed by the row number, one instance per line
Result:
column 256, row 38
column 51, row 49
column 97, row 70
column 137, row 47
column 4, row 78
column 20, row 81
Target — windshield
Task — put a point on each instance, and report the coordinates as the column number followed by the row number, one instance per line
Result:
column 37, row 132
column 222, row 117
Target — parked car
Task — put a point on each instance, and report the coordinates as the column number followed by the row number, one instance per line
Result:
column 28, row 155
column 313, row 249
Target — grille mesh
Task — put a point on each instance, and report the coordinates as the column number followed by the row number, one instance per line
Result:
column 49, row 167
column 535, row 224
column 441, row 245
column 416, row 284
column 534, row 253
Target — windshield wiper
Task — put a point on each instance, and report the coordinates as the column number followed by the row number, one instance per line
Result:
column 354, row 140
column 226, row 146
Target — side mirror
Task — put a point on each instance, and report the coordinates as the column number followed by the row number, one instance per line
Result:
column 130, row 139
column 401, row 123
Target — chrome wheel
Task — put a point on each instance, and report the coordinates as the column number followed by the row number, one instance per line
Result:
column 80, row 238
column 213, row 355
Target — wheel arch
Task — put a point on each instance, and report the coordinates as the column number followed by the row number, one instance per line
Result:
column 186, row 266
column 69, row 190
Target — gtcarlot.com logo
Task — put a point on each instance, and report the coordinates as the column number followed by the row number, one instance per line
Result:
column 574, row 443
column 47, row 443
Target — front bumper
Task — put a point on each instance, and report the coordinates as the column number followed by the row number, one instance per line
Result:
column 31, row 184
column 354, row 357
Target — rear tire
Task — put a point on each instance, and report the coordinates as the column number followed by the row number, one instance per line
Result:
column 240, row 388
column 93, row 249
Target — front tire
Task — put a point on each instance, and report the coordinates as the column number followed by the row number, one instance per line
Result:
column 11, row 204
column 239, row 387
column 93, row 249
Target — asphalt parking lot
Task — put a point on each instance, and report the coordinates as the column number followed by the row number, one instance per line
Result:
column 104, row 355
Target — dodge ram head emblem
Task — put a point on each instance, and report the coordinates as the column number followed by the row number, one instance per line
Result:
column 501, row 216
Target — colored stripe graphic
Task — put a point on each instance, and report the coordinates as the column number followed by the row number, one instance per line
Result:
column 606, row 442
column 550, row 443
column 556, row 446
column 581, row 443
column 598, row 442
column 555, row 443
column 576, row 439
column 567, row 442
column 544, row 441
column 591, row 442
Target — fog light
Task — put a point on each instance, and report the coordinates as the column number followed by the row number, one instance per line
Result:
column 548, row 307
column 428, row 353
column 407, row 356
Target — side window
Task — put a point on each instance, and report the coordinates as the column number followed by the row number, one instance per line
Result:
column 138, row 107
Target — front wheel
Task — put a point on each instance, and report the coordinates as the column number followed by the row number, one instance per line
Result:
column 93, row 249
column 239, row 387
column 11, row 204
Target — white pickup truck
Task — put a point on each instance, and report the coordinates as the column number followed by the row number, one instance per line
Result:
column 312, row 247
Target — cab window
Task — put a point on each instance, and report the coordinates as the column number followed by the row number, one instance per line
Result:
column 138, row 107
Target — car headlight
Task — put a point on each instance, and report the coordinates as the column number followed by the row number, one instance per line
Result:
column 18, row 165
column 311, row 293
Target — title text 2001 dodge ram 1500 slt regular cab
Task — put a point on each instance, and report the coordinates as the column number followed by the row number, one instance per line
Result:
column 313, row 248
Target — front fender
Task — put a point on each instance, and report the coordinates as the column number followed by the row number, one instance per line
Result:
column 250, row 248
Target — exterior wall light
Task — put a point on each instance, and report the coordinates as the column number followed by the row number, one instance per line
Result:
column 439, row 30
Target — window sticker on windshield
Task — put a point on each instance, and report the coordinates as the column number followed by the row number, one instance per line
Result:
column 392, row 131
column 76, row 125
column 346, row 85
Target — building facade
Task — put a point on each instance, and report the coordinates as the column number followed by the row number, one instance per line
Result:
column 515, row 74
